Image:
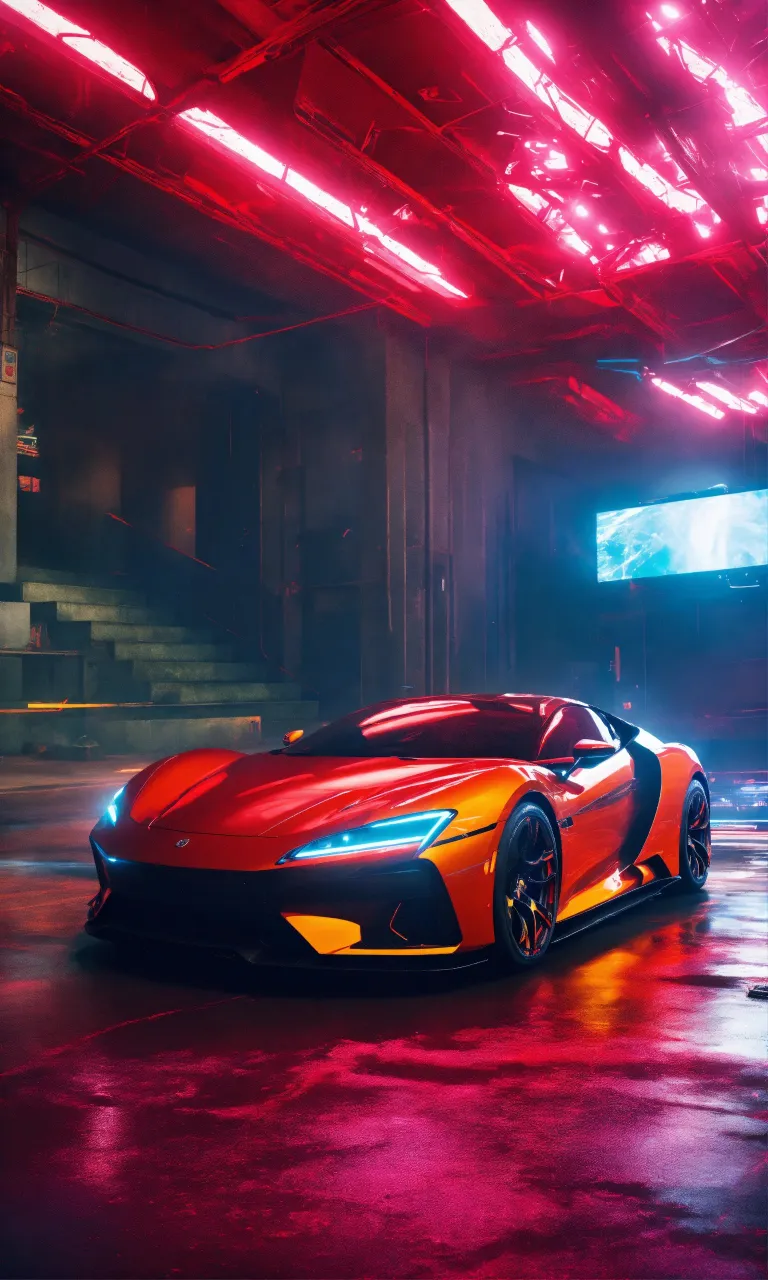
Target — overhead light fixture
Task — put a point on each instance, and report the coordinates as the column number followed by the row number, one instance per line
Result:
column 687, row 201
column 644, row 255
column 743, row 107
column 322, row 199
column 696, row 402
column 79, row 41
column 481, row 19
column 376, row 241
column 540, row 40
column 574, row 241
column 726, row 397
column 219, row 131
column 549, row 214
column 759, row 397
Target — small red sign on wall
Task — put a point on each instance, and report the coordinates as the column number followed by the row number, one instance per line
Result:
column 10, row 364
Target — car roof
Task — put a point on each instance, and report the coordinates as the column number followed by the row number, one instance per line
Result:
column 544, row 703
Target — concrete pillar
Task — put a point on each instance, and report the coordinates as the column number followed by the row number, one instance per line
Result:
column 417, row 427
column 8, row 397
column 407, row 512
column 439, row 526
column 482, row 533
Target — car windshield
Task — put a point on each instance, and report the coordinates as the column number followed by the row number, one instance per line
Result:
column 436, row 728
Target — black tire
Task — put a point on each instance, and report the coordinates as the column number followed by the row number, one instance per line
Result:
column 695, row 839
column 526, row 888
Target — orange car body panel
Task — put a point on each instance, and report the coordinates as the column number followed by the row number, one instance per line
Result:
column 220, row 810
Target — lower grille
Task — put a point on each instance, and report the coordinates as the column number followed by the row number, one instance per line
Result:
column 396, row 905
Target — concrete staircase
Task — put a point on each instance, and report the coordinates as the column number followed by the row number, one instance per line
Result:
column 131, row 678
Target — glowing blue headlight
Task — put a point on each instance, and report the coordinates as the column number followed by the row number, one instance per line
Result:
column 414, row 832
column 113, row 806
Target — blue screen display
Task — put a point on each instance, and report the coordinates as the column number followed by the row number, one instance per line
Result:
column 693, row 535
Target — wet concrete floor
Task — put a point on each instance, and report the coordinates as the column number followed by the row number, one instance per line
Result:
column 600, row 1117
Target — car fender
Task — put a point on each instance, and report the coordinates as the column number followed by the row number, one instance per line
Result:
column 466, row 858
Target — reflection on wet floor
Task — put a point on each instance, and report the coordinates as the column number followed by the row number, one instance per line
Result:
column 168, row 1115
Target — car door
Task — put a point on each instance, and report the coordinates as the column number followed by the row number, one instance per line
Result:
column 598, row 805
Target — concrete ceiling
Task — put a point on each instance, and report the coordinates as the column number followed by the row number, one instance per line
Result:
column 593, row 183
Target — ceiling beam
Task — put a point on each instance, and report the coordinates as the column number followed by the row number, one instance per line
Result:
column 291, row 36
column 288, row 37
column 207, row 202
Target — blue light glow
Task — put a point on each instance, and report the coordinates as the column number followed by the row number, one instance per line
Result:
column 113, row 806
column 415, row 831
column 693, row 535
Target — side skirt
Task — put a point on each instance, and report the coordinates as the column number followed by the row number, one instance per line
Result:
column 607, row 910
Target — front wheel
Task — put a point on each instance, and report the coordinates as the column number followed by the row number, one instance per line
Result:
column 526, row 888
column 695, row 839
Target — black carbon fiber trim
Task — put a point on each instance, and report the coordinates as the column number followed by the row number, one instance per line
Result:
column 479, row 831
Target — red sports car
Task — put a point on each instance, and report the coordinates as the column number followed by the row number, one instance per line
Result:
column 423, row 831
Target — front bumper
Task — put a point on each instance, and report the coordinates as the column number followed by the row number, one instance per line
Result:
column 398, row 912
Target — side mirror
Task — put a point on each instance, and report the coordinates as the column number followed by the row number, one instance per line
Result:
column 592, row 749
column 292, row 735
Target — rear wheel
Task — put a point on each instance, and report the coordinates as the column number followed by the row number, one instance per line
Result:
column 526, row 888
column 695, row 839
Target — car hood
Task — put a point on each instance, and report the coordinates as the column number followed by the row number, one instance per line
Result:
column 282, row 795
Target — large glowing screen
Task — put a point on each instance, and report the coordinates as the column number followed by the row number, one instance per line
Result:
column 693, row 535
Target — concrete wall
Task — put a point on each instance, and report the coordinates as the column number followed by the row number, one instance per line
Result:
column 386, row 517
column 125, row 420
column 399, row 518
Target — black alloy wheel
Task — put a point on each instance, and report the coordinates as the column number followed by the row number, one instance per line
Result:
column 526, row 887
column 695, row 838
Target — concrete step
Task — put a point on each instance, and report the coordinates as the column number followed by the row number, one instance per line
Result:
column 204, row 693
column 146, row 652
column 75, row 593
column 191, row 672
column 30, row 573
column 125, row 632
column 134, row 614
column 154, row 731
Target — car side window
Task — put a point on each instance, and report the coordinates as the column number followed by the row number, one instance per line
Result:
column 567, row 727
column 605, row 731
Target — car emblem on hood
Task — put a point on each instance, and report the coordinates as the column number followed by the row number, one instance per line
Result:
column 182, row 844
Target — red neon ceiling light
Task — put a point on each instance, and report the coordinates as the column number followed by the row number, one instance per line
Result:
column 218, row 131
column 376, row 241
column 540, row 40
column 726, row 397
column 483, row 21
column 743, row 107
column 681, row 199
column 553, row 218
column 383, row 247
column 532, row 169
column 77, row 40
column 643, row 255
column 697, row 402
